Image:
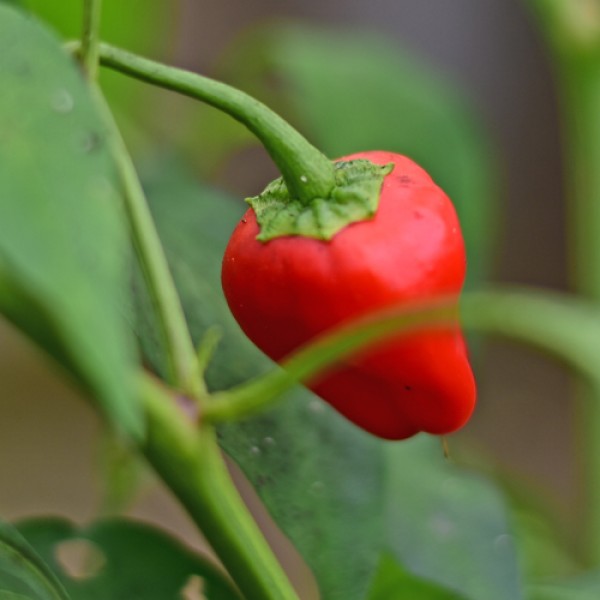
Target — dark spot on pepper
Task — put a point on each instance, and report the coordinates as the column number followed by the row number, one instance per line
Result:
column 408, row 388
column 244, row 220
column 405, row 180
column 418, row 215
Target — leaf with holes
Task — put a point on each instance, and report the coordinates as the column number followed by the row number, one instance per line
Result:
column 23, row 573
column 63, row 238
column 121, row 560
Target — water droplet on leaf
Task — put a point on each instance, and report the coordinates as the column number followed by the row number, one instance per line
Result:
column 62, row 102
column 316, row 406
column 90, row 141
column 503, row 542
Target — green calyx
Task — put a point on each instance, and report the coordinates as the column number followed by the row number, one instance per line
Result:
column 355, row 197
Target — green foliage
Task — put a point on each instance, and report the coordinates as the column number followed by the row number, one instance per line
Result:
column 125, row 560
column 375, row 520
column 447, row 524
column 63, row 243
column 22, row 571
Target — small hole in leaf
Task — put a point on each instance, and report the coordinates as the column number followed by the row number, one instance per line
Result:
column 79, row 558
column 193, row 589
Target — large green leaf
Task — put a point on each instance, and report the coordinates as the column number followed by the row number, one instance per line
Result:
column 63, row 243
column 133, row 560
column 449, row 525
column 354, row 91
column 23, row 573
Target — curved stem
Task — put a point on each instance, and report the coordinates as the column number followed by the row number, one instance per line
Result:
column 308, row 174
column 557, row 324
column 179, row 347
column 191, row 464
column 90, row 39
column 255, row 395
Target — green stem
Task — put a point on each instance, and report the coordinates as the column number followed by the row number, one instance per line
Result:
column 573, row 33
column 258, row 394
column 581, row 111
column 308, row 174
column 563, row 326
column 90, row 39
column 179, row 347
column 190, row 463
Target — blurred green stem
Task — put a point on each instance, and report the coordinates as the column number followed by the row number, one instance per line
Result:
column 572, row 29
column 179, row 347
column 580, row 86
column 90, row 39
column 258, row 394
column 308, row 174
column 189, row 461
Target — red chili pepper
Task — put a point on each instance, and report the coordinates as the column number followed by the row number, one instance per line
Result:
column 286, row 291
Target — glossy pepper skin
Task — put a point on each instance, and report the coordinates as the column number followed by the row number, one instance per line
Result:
column 288, row 290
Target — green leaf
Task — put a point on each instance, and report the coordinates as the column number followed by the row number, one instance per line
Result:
column 354, row 91
column 315, row 472
column 449, row 525
column 22, row 571
column 392, row 582
column 64, row 251
column 133, row 561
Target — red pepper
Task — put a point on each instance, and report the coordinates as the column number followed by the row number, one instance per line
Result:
column 286, row 291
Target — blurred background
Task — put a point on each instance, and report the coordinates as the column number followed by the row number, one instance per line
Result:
column 465, row 87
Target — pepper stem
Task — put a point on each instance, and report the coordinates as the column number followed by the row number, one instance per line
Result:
column 308, row 174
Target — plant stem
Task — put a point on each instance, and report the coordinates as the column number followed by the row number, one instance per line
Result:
column 557, row 324
column 258, row 394
column 308, row 174
column 190, row 463
column 90, row 39
column 573, row 33
column 179, row 347
column 581, row 110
